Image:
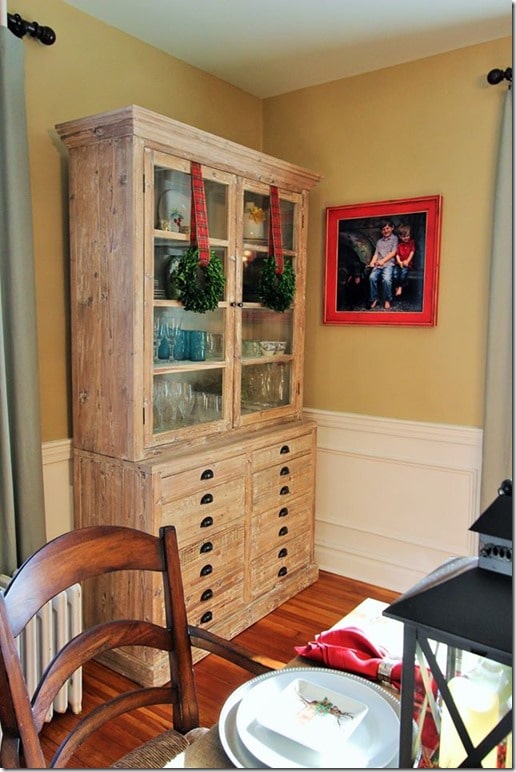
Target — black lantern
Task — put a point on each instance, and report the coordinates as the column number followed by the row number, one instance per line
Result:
column 457, row 654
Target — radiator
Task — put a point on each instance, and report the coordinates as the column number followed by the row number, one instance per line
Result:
column 54, row 625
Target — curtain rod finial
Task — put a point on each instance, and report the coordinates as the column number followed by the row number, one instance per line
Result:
column 20, row 27
column 496, row 76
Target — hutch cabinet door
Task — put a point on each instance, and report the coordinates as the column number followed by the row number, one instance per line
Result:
column 268, row 372
column 187, row 354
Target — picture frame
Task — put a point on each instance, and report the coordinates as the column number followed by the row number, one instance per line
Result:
column 352, row 235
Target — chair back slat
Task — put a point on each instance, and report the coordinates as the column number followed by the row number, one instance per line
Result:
column 89, row 645
column 73, row 558
column 108, row 549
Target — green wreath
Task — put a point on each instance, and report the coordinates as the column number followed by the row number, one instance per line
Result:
column 199, row 287
column 277, row 290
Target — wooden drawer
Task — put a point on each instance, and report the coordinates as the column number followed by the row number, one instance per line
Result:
column 202, row 478
column 213, row 612
column 204, row 598
column 282, row 482
column 282, row 451
column 275, row 566
column 196, row 516
column 213, row 554
column 214, row 564
column 273, row 528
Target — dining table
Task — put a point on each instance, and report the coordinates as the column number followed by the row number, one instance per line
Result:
column 207, row 752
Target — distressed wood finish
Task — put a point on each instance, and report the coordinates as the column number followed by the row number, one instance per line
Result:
column 245, row 532
column 258, row 540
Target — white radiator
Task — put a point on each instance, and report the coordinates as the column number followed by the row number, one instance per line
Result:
column 53, row 626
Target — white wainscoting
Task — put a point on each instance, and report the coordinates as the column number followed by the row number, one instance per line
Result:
column 394, row 499
column 58, row 486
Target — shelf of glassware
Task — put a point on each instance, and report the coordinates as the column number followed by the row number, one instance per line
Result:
column 189, row 372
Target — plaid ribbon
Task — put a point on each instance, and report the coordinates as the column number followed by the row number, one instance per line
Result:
column 199, row 218
column 275, row 245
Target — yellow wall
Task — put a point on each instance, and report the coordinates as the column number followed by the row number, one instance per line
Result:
column 423, row 128
column 91, row 68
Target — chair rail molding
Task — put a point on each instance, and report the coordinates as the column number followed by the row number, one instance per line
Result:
column 394, row 498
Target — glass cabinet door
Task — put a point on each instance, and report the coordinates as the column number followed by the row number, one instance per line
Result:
column 267, row 338
column 187, row 353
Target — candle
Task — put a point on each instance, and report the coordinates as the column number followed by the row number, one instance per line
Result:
column 479, row 708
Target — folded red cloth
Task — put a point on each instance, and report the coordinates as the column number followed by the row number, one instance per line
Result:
column 350, row 649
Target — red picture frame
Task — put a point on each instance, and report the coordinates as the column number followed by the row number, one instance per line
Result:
column 352, row 234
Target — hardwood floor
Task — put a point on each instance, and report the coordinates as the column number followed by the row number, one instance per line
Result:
column 292, row 624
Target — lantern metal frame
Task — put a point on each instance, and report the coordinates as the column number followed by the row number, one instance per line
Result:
column 453, row 606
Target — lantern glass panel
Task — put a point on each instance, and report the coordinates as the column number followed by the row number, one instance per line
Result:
column 456, row 691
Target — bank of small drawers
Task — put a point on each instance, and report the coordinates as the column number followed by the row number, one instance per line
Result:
column 275, row 566
column 206, row 505
column 282, row 482
column 274, row 527
column 213, row 574
column 208, row 509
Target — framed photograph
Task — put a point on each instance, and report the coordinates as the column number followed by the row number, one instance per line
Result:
column 382, row 262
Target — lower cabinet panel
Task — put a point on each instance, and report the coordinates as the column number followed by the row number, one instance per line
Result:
column 241, row 553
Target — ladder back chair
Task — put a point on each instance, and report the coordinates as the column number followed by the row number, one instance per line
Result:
column 73, row 558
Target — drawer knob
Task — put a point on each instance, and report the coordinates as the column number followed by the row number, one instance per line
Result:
column 207, row 594
column 284, row 490
column 284, row 449
column 207, row 474
column 284, row 470
column 206, row 570
column 283, row 571
column 207, row 498
column 206, row 617
column 283, row 531
column 283, row 552
column 283, row 512
column 206, row 547
column 206, row 522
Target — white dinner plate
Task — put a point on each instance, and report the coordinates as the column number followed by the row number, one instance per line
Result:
column 250, row 746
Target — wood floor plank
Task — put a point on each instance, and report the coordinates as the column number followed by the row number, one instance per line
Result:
column 294, row 623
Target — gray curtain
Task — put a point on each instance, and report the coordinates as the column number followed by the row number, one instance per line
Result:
column 497, row 439
column 22, row 511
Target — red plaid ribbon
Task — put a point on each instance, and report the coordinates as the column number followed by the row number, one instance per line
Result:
column 275, row 245
column 199, row 217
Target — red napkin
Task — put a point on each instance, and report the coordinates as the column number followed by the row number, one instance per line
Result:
column 350, row 649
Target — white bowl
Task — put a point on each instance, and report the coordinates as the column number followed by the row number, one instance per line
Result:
column 268, row 347
column 281, row 346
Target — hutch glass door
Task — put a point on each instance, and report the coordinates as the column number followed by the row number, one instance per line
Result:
column 188, row 353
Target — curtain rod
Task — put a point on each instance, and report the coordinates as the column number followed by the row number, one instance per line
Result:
column 20, row 27
column 496, row 76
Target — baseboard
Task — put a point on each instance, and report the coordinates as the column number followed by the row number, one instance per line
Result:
column 394, row 499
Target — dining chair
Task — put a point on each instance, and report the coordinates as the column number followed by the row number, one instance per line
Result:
column 73, row 558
